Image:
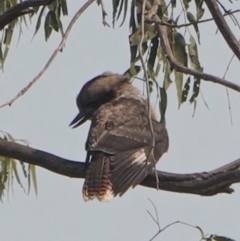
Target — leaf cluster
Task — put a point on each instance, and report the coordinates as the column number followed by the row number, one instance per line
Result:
column 10, row 171
column 183, row 45
column 52, row 21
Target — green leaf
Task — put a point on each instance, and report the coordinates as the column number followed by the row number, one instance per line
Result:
column 133, row 50
column 120, row 9
column 115, row 7
column 153, row 51
column 14, row 168
column 9, row 137
column 53, row 5
column 167, row 80
column 39, row 21
column 186, row 3
column 64, row 7
column 1, row 55
column 194, row 107
column 193, row 54
column 54, row 21
column 179, row 48
column 125, row 12
column 163, row 104
column 9, row 33
column 134, row 38
column 9, row 170
column 32, row 171
column 196, row 89
column 149, row 34
column 151, row 74
column 173, row 3
column 132, row 22
column 163, row 10
column 199, row 9
column 47, row 26
column 179, row 82
column 132, row 71
column 218, row 238
column 186, row 89
column 192, row 20
column 157, row 70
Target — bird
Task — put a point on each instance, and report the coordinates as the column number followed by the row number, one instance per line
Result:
column 119, row 142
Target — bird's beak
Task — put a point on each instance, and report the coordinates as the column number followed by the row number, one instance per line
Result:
column 79, row 119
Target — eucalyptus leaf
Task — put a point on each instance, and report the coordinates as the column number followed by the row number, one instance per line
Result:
column 167, row 80
column 192, row 20
column 64, row 7
column 32, row 171
column 132, row 71
column 186, row 89
column 153, row 51
column 199, row 9
column 186, row 3
column 179, row 48
column 38, row 24
column 163, row 105
column 115, row 4
column 196, row 89
column 193, row 54
column 48, row 26
column 124, row 12
column 218, row 238
column 179, row 83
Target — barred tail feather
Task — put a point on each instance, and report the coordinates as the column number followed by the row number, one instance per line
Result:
column 97, row 182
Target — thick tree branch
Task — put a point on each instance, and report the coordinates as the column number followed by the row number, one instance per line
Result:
column 206, row 183
column 21, row 9
column 162, row 31
column 223, row 27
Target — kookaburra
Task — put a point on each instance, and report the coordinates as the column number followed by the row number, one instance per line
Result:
column 119, row 143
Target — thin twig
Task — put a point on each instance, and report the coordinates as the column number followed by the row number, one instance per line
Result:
column 104, row 14
column 171, row 224
column 156, row 213
column 229, row 103
column 60, row 46
column 204, row 101
column 148, row 92
column 149, row 20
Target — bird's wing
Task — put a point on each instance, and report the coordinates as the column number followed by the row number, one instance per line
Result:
column 120, row 132
column 122, row 125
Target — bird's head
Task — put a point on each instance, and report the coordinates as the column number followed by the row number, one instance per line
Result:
column 95, row 93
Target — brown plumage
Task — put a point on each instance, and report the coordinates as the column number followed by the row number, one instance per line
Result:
column 119, row 139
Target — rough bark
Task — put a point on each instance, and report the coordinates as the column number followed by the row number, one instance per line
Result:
column 205, row 183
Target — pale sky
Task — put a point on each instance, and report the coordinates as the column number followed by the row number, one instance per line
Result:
column 43, row 114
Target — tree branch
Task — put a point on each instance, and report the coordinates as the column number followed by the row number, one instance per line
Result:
column 162, row 32
column 205, row 183
column 149, row 20
column 21, row 9
column 223, row 27
column 54, row 54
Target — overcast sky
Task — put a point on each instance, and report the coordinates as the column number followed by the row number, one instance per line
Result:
column 43, row 114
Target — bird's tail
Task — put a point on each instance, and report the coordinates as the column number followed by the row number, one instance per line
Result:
column 97, row 181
